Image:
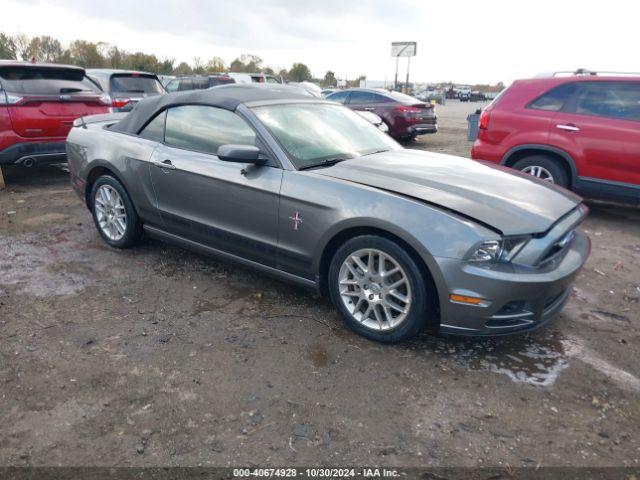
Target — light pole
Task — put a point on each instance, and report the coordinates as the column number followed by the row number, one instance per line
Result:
column 395, row 84
column 406, row 85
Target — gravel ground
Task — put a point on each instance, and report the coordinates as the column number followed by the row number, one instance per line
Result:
column 157, row 356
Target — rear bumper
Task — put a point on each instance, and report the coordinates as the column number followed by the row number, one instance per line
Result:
column 423, row 128
column 482, row 150
column 513, row 302
column 29, row 153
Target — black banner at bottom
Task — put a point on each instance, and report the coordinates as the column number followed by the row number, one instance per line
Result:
column 221, row 473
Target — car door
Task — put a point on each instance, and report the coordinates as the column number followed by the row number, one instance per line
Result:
column 373, row 102
column 228, row 206
column 601, row 127
column 362, row 100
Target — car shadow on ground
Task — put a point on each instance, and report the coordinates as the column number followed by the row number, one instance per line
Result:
column 40, row 175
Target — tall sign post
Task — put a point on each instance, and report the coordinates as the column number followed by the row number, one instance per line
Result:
column 403, row 49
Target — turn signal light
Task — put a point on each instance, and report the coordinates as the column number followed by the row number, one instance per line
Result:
column 463, row 299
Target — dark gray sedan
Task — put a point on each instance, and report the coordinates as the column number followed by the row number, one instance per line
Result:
column 312, row 193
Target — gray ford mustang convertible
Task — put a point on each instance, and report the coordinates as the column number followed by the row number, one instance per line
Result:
column 309, row 191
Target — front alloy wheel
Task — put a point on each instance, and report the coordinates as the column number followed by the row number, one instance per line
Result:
column 375, row 289
column 380, row 290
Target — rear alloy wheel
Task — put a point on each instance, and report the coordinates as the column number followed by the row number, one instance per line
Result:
column 543, row 167
column 114, row 214
column 379, row 289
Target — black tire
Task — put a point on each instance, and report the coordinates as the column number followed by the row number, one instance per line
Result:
column 550, row 164
column 407, row 139
column 421, row 308
column 133, row 230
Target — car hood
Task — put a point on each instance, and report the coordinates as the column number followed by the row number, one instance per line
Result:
column 509, row 201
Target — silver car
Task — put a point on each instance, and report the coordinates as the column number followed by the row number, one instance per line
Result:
column 310, row 192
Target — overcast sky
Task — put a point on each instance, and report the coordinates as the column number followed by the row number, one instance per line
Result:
column 464, row 41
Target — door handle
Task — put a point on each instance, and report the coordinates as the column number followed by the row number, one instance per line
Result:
column 165, row 164
column 369, row 109
column 568, row 127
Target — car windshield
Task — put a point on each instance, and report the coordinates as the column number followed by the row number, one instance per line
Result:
column 314, row 134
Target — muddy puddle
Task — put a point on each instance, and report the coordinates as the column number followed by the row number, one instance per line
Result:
column 535, row 360
column 44, row 266
column 318, row 355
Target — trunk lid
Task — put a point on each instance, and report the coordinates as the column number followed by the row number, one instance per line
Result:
column 127, row 89
column 43, row 102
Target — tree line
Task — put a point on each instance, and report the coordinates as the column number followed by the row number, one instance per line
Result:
column 104, row 55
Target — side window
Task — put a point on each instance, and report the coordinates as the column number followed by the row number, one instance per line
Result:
column 609, row 99
column 340, row 97
column 172, row 86
column 362, row 97
column 201, row 83
column 185, row 84
column 155, row 128
column 554, row 99
column 204, row 129
column 381, row 99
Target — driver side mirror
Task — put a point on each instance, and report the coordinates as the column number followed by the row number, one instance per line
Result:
column 241, row 154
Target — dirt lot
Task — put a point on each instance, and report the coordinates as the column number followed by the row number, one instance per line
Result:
column 157, row 356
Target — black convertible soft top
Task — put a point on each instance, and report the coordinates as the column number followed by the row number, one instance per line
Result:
column 227, row 97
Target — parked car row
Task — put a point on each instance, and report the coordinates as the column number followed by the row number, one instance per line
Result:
column 578, row 131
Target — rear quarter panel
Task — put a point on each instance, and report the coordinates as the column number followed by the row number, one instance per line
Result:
column 511, row 123
column 126, row 156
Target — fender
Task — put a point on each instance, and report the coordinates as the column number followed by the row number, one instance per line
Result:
column 370, row 223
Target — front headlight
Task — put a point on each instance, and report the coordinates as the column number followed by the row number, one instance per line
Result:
column 487, row 251
column 503, row 250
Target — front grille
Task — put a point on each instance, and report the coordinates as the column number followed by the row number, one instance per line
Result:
column 559, row 247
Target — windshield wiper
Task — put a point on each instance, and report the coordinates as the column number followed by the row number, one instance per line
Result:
column 376, row 151
column 133, row 91
column 324, row 163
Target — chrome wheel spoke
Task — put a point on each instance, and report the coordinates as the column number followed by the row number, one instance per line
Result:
column 399, row 296
column 387, row 314
column 396, row 307
column 397, row 283
column 357, row 306
column 351, row 293
column 371, row 263
column 359, row 263
column 539, row 172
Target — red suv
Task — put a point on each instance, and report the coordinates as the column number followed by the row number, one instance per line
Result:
column 581, row 131
column 38, row 104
